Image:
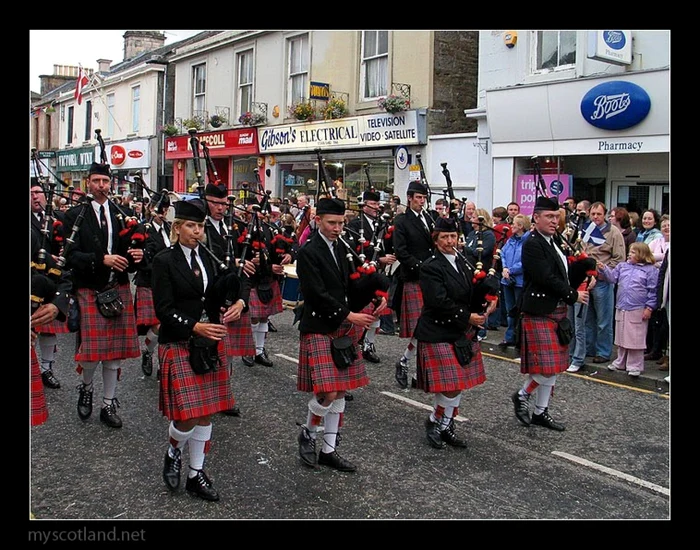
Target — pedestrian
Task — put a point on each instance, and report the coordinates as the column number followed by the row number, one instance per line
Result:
column 650, row 227
column 157, row 239
column 636, row 300
column 513, row 209
column 191, row 294
column 101, row 260
column 512, row 274
column 329, row 315
column 412, row 246
column 448, row 357
column 546, row 293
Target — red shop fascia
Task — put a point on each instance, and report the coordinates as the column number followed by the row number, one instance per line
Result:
column 223, row 145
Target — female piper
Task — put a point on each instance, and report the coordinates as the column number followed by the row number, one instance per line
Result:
column 189, row 289
column 449, row 356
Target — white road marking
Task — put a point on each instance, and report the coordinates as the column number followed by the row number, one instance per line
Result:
column 417, row 404
column 615, row 473
column 287, row 357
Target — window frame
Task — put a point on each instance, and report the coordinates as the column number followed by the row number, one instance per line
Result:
column 535, row 53
column 69, row 124
column 135, row 108
column 245, row 106
column 110, row 103
column 88, row 120
column 366, row 59
column 304, row 69
column 199, row 96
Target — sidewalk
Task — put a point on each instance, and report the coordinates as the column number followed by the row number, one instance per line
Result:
column 651, row 379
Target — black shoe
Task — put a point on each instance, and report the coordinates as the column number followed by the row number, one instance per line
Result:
column 171, row 470
column 307, row 448
column 263, row 359
column 432, row 432
column 505, row 345
column 271, row 327
column 235, row 411
column 414, row 382
column 109, row 415
column 402, row 374
column 84, row 402
column 147, row 362
column 522, row 409
column 349, row 396
column 370, row 354
column 547, row 421
column 448, row 436
column 49, row 380
column 248, row 360
column 335, row 461
column 200, row 485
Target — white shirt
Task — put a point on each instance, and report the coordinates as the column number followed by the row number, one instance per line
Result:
column 188, row 256
column 96, row 208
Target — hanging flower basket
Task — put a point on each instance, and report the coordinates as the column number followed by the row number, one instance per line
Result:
column 195, row 122
column 252, row 119
column 336, row 108
column 302, row 111
column 217, row 120
column 394, row 103
column 169, row 129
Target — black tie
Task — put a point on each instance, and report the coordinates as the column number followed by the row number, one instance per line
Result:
column 338, row 258
column 103, row 223
column 222, row 229
column 196, row 269
column 40, row 215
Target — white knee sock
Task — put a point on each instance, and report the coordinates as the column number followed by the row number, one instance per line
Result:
column 331, row 425
column 315, row 416
column 47, row 346
column 197, row 444
column 177, row 438
column 151, row 340
column 259, row 333
column 110, row 372
column 89, row 368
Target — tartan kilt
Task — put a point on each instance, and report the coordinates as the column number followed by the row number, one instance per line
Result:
column 317, row 372
column 184, row 395
column 239, row 341
column 53, row 327
column 39, row 413
column 258, row 310
column 540, row 350
column 439, row 371
column 411, row 306
column 103, row 339
column 145, row 310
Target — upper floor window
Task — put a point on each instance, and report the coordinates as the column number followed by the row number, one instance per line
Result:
column 374, row 78
column 245, row 82
column 135, row 108
column 88, row 120
column 110, row 115
column 199, row 88
column 555, row 50
column 69, row 125
column 298, row 69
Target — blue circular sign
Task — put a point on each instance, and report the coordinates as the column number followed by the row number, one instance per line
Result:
column 401, row 157
column 614, row 40
column 556, row 187
column 615, row 105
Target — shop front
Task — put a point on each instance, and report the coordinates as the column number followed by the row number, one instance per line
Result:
column 601, row 139
column 356, row 152
column 127, row 159
column 234, row 157
column 72, row 166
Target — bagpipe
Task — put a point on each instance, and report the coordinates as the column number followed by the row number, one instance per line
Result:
column 582, row 268
column 367, row 284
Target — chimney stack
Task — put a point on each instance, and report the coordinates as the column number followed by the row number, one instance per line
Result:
column 137, row 42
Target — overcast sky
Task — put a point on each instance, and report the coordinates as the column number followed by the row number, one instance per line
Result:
column 79, row 47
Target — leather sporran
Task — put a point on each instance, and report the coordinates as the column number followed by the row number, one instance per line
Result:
column 204, row 354
column 463, row 351
column 265, row 293
column 343, row 352
column 73, row 316
column 109, row 303
column 565, row 331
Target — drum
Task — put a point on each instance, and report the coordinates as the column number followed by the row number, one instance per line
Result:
column 291, row 295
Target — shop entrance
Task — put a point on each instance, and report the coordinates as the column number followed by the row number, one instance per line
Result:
column 638, row 196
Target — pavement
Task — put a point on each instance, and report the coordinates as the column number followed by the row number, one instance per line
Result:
column 650, row 379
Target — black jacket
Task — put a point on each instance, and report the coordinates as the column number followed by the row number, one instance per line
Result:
column 412, row 244
column 446, row 297
column 545, row 278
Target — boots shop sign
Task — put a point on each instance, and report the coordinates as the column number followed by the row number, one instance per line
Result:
column 615, row 105
column 127, row 155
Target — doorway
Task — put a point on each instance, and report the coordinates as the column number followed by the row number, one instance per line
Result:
column 636, row 197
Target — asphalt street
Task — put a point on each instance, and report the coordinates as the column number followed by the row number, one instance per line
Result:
column 612, row 462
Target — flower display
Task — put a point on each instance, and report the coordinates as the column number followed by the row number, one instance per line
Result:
column 252, row 119
column 169, row 129
column 394, row 103
column 302, row 111
column 217, row 120
column 336, row 108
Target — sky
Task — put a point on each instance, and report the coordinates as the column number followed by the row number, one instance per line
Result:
column 79, row 47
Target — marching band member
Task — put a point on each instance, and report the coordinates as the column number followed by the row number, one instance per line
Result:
column 448, row 358
column 101, row 260
column 412, row 245
column 546, row 293
column 324, row 279
column 190, row 297
column 366, row 224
